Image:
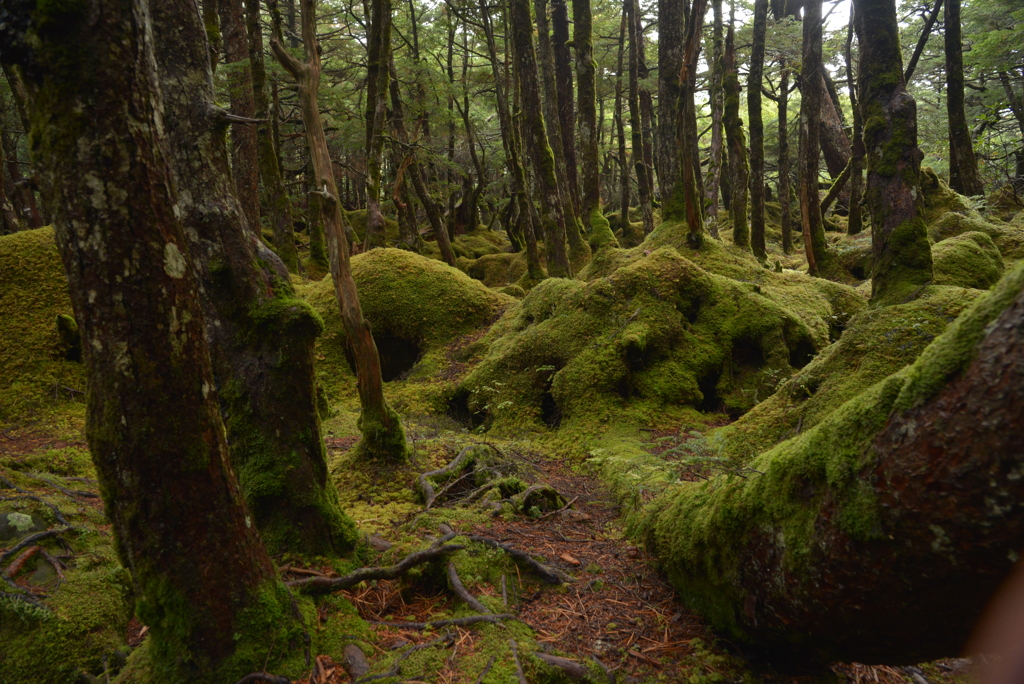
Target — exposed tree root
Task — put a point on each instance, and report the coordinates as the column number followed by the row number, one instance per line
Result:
column 26, row 495
column 549, row 575
column 519, row 666
column 487, row 668
column 462, row 593
column 454, row 622
column 427, row 489
column 570, row 667
column 396, row 669
column 263, row 677
column 320, row 585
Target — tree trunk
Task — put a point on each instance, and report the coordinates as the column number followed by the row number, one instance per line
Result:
column 855, row 221
column 963, row 174
column 277, row 200
column 714, row 178
column 922, row 40
column 636, row 125
column 646, row 104
column 383, row 434
column 887, row 549
column 629, row 239
column 260, row 334
column 566, row 108
column 553, row 209
column 810, row 118
column 735, row 139
column 671, row 27
column 902, row 254
column 244, row 153
column 9, row 220
column 378, row 50
column 754, row 82
column 28, row 195
column 835, row 144
column 784, row 187
column 208, row 592
column 405, row 163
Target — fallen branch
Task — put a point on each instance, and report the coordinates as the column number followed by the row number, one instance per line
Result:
column 25, row 495
column 569, row 667
column 519, row 666
column 454, row 622
column 549, row 575
column 423, row 481
column 396, row 669
column 29, row 541
column 19, row 562
column 325, row 584
column 560, row 509
column 21, row 594
column 487, row 668
column 462, row 593
column 263, row 677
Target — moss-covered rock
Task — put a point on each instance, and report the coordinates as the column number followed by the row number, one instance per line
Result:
column 495, row 270
column 475, row 244
column 968, row 260
column 659, row 334
column 33, row 354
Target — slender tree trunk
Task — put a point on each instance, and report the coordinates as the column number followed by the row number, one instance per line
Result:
column 383, row 434
column 835, row 143
column 244, row 152
column 566, row 107
column 646, row 104
column 208, row 592
column 714, row 177
column 963, row 174
column 784, row 188
column 315, row 222
column 755, row 79
column 377, row 73
column 405, row 163
column 628, row 238
column 9, row 219
column 553, row 209
column 635, row 123
column 28, row 195
column 922, row 40
column 671, row 25
column 855, row 221
column 735, row 139
column 810, row 120
column 902, row 254
column 277, row 200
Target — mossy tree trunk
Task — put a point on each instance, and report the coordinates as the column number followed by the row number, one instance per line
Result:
column 28, row 195
column 278, row 202
column 784, row 186
column 378, row 50
column 553, row 208
column 513, row 151
column 383, row 436
column 646, row 104
column 244, row 153
column 811, row 96
column 628, row 239
column 963, row 165
column 855, row 220
column 260, row 334
column 405, row 163
column 204, row 583
column 566, row 106
column 635, row 123
column 671, row 29
column 735, row 138
column 880, row 534
column 835, row 143
column 714, row 178
column 755, row 79
column 902, row 254
column 9, row 221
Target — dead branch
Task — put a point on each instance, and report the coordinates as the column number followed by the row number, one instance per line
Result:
column 21, row 594
column 487, row 668
column 462, row 593
column 396, row 669
column 454, row 622
column 570, row 667
column 549, row 575
column 423, row 481
column 519, row 666
column 319, row 585
column 29, row 541
column 263, row 677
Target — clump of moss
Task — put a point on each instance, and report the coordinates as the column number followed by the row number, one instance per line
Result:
column 476, row 243
column 33, row 293
column 660, row 333
column 495, row 270
column 357, row 219
column 968, row 260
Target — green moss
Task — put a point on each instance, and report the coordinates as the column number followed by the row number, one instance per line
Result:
column 495, row 270
column 33, row 293
column 968, row 260
column 475, row 244
column 601, row 235
column 357, row 219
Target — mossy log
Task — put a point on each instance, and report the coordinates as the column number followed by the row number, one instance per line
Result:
column 878, row 535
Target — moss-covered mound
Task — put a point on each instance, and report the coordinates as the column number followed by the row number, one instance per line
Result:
column 967, row 260
column 415, row 305
column 875, row 344
column 33, row 356
column 357, row 219
column 475, row 244
column 495, row 270
column 658, row 334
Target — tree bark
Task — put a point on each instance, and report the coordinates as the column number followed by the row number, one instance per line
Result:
column 9, row 220
column 714, row 177
column 671, row 29
column 784, row 186
column 208, row 592
column 855, row 220
column 553, row 209
column 810, row 119
column 244, row 145
column 378, row 50
column 963, row 168
column 735, row 139
column 902, row 254
column 277, row 200
column 383, row 434
column 636, row 124
column 835, row 144
column 888, row 549
column 755, row 79
column 629, row 239
column 566, row 107
column 922, row 40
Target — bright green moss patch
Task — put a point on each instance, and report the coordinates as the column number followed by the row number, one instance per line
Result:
column 968, row 260
column 475, row 244
column 33, row 292
column 495, row 270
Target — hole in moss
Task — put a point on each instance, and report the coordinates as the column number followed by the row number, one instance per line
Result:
column 708, row 385
column 747, row 351
column 801, row 353
column 550, row 413
column 858, row 272
column 690, row 310
column 459, row 411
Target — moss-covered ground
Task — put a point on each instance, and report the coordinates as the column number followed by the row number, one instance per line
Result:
column 628, row 389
